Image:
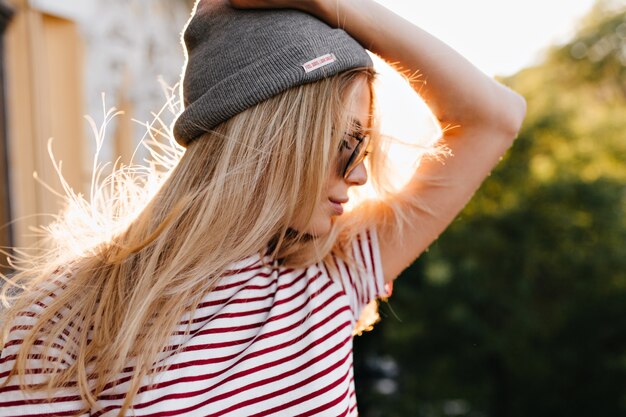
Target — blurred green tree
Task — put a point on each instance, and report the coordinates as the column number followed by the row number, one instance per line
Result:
column 519, row 309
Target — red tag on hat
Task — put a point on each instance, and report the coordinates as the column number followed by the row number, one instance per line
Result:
column 319, row 62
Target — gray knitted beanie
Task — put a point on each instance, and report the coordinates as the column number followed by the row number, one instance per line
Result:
column 239, row 58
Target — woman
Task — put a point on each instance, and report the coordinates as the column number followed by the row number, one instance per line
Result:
column 236, row 290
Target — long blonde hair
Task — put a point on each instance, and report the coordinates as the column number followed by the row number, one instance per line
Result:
column 233, row 193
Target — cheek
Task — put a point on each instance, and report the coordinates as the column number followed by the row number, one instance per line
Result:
column 318, row 225
column 340, row 165
column 321, row 221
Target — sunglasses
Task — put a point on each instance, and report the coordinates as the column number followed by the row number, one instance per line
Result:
column 358, row 154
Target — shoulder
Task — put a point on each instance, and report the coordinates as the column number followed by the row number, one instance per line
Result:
column 358, row 269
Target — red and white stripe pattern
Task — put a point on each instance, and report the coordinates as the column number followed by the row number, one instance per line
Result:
column 267, row 341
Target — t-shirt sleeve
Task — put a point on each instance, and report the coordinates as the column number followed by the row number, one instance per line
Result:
column 362, row 280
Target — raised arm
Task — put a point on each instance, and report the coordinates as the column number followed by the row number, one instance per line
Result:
column 485, row 114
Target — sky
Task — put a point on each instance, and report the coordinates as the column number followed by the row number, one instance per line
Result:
column 499, row 36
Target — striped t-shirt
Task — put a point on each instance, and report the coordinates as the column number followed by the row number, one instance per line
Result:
column 268, row 341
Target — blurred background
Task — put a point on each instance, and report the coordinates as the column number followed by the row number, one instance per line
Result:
column 519, row 309
column 62, row 60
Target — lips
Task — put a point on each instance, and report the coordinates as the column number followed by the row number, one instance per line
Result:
column 336, row 204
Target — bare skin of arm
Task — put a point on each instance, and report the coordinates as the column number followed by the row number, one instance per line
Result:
column 484, row 114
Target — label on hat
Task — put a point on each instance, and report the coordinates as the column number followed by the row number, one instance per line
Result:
column 319, row 62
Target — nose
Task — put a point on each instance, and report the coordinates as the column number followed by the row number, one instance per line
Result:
column 358, row 176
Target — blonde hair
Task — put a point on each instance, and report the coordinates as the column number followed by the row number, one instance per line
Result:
column 233, row 193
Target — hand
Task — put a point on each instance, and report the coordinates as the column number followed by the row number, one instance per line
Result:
column 309, row 6
column 260, row 4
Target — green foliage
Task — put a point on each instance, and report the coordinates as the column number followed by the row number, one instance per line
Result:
column 519, row 308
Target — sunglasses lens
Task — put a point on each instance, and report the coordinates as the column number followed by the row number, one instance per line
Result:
column 360, row 151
